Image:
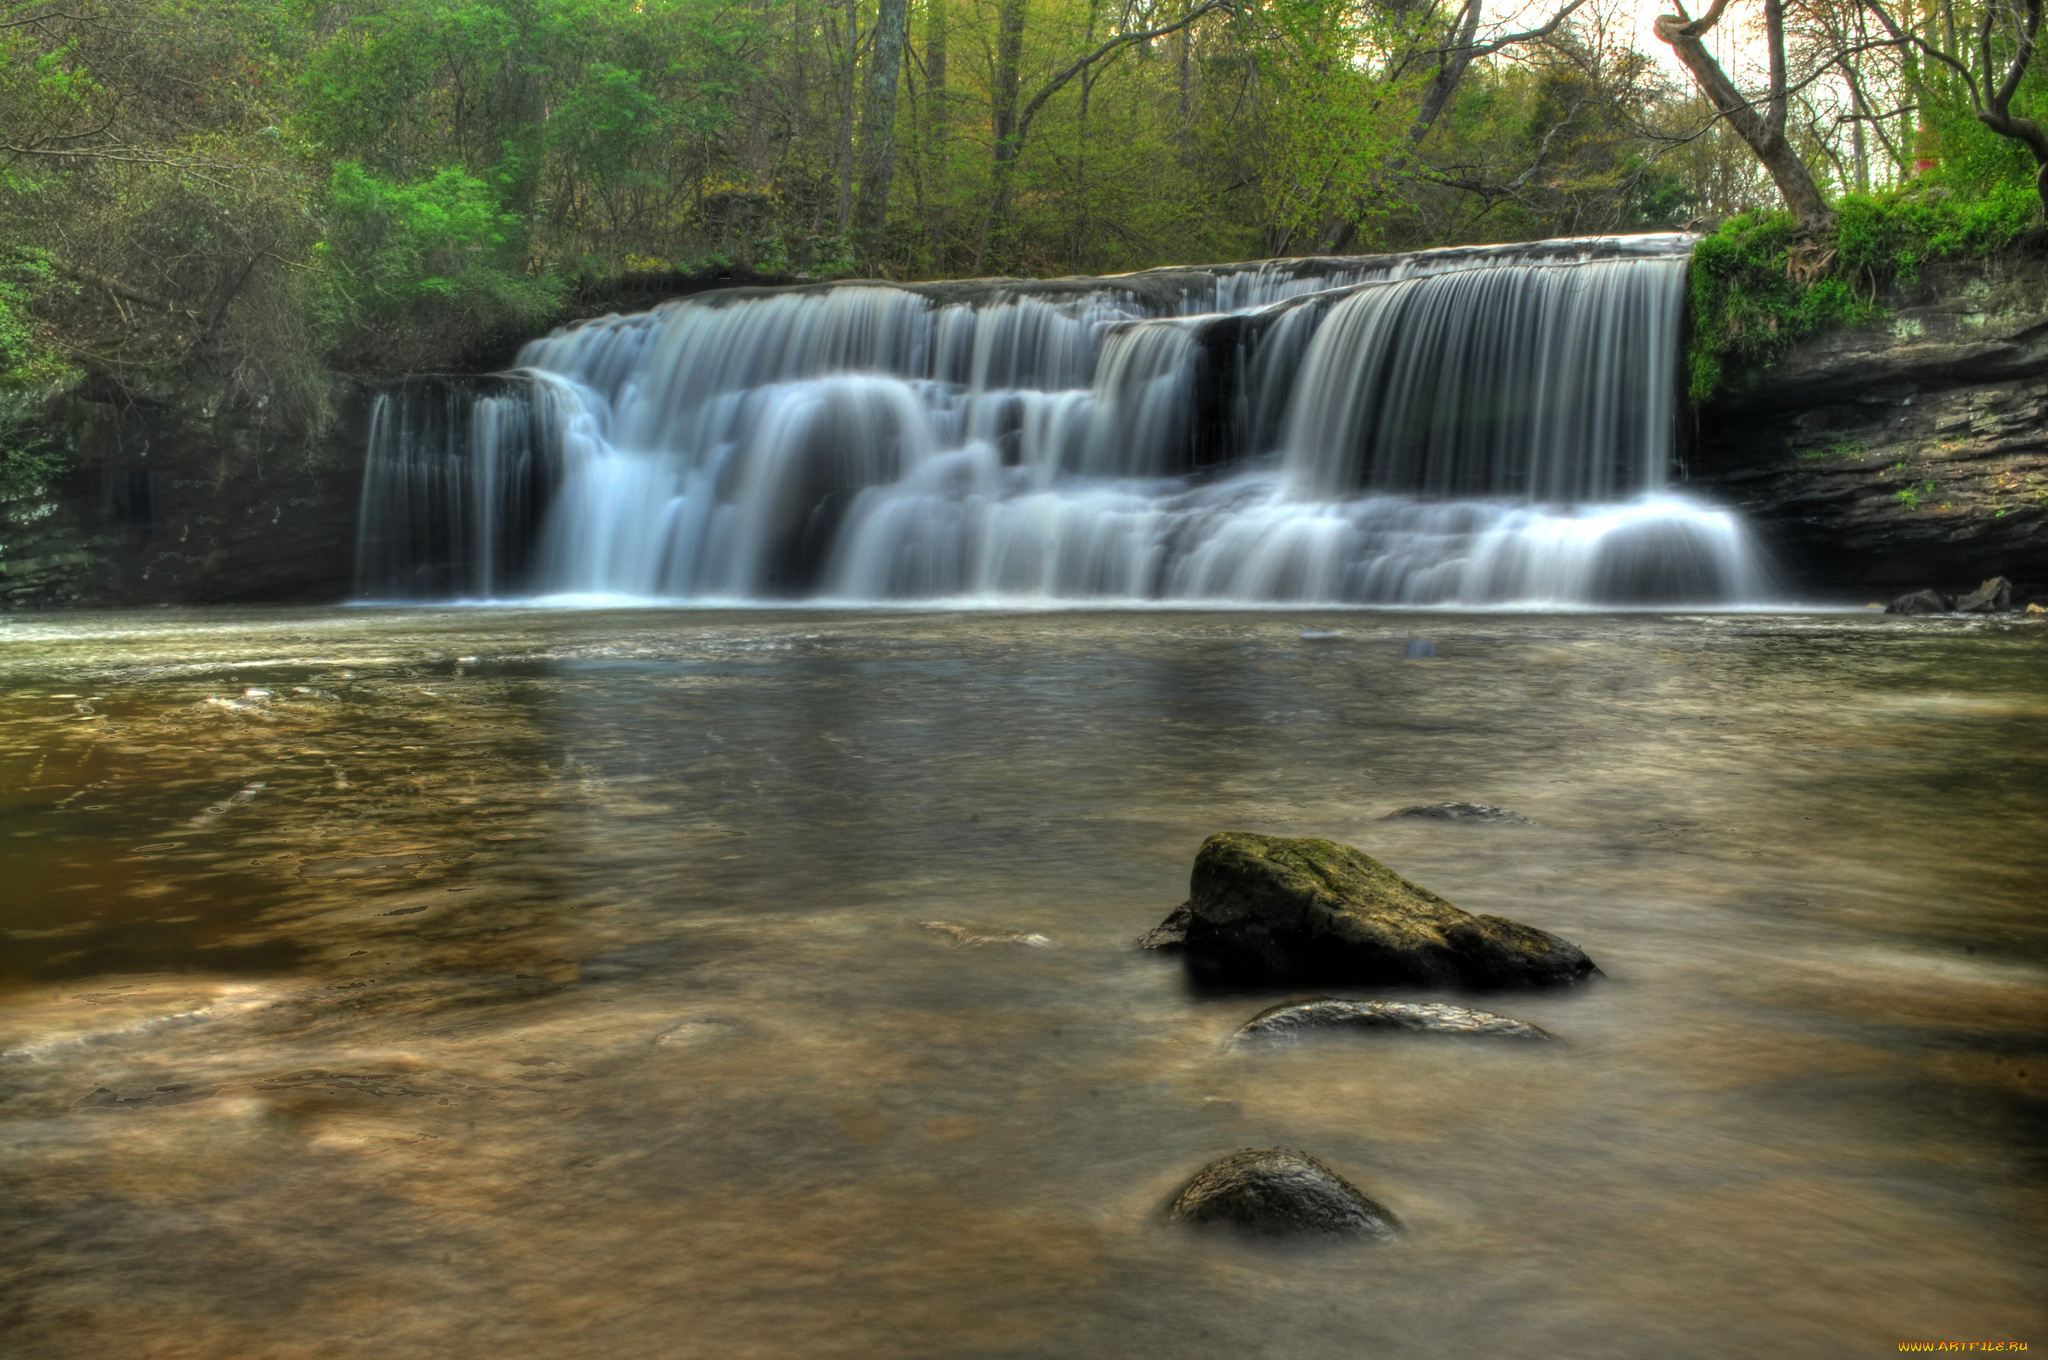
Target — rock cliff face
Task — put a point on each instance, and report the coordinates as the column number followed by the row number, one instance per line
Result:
column 1909, row 453
column 177, row 498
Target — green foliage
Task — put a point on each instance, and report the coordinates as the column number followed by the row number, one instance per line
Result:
column 29, row 366
column 1841, row 448
column 1881, row 239
column 1750, row 303
column 410, row 265
column 1970, row 159
column 26, row 357
column 1758, row 286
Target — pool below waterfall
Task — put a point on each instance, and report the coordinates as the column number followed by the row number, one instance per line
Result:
column 429, row 982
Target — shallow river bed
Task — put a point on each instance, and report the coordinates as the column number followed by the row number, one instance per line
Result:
column 549, row 983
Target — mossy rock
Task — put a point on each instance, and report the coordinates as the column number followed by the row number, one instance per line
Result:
column 1285, row 909
column 1272, row 1192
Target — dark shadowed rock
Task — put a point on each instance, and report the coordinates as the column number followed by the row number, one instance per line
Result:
column 1993, row 597
column 1277, row 1193
column 1296, row 1020
column 1282, row 909
column 1919, row 602
column 1459, row 812
column 1171, row 933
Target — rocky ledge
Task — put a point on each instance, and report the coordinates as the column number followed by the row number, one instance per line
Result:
column 1265, row 909
column 1905, row 454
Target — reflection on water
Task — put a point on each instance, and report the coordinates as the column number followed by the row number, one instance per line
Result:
column 549, row 983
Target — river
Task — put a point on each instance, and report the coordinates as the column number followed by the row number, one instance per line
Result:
column 472, row 982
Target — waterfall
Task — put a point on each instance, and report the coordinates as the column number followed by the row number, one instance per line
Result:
column 1470, row 426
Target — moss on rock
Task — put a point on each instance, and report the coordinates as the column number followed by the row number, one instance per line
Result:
column 1279, row 908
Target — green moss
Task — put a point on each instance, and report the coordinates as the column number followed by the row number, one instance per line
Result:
column 1841, row 448
column 1759, row 286
column 1911, row 496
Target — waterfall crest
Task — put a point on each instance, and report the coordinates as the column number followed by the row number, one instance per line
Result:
column 1478, row 425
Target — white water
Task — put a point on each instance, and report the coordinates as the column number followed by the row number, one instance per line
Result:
column 1478, row 426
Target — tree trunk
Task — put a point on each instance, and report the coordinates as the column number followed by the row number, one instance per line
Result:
column 938, row 123
column 1187, row 78
column 878, row 120
column 1003, row 121
column 1859, row 142
column 1764, row 133
column 847, row 99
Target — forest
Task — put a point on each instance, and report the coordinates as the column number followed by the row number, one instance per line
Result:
column 282, row 189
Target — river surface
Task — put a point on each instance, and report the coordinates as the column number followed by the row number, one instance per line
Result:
column 452, row 983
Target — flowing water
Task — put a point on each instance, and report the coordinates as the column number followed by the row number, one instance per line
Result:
column 453, row 983
column 1472, row 426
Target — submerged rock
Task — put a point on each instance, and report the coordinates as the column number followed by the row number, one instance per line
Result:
column 1279, row 908
column 1993, row 597
column 1295, row 1020
column 1459, row 812
column 702, row 1029
column 1277, row 1193
column 1919, row 602
column 967, row 935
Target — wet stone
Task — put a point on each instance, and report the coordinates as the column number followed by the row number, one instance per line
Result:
column 1266, row 909
column 1459, row 812
column 1293, row 1021
column 1993, row 597
column 1278, row 1193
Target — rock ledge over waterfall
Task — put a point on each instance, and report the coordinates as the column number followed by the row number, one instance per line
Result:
column 1285, row 909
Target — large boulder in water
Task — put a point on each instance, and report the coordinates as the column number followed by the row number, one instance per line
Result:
column 1277, row 1193
column 1282, row 909
column 1993, row 597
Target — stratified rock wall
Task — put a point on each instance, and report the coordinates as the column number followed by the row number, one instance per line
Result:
column 1909, row 453
column 184, row 498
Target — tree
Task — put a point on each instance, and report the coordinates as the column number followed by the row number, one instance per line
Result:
column 1765, row 132
column 1010, row 126
column 1452, row 60
column 2014, row 25
column 878, row 118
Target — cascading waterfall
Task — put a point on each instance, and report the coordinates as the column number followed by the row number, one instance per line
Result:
column 1473, row 426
